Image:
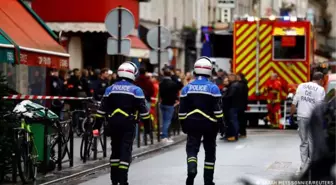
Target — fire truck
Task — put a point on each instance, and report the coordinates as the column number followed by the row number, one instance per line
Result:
column 262, row 46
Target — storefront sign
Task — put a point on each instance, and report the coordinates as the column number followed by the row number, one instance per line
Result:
column 40, row 59
column 6, row 55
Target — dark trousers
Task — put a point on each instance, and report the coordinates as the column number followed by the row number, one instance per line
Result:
column 242, row 122
column 122, row 136
column 233, row 123
column 193, row 145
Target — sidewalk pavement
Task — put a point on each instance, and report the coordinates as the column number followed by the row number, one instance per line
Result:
column 80, row 168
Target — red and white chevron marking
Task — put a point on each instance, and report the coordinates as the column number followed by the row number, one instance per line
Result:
column 36, row 97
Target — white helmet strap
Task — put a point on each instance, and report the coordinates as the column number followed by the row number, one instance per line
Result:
column 135, row 68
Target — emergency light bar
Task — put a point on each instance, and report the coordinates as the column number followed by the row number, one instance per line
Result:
column 272, row 18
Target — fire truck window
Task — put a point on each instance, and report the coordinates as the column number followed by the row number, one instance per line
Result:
column 289, row 47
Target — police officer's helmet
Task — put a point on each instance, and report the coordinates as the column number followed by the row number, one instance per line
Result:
column 127, row 70
column 203, row 66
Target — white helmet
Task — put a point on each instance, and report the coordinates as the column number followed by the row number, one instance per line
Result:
column 203, row 66
column 127, row 70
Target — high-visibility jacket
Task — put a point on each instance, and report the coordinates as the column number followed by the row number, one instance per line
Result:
column 154, row 98
column 154, row 101
column 273, row 89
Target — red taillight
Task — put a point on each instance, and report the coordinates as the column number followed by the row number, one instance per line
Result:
column 248, row 108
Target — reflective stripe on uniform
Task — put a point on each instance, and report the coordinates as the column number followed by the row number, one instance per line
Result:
column 209, row 165
column 118, row 110
column 200, row 112
column 218, row 114
column 123, row 165
column 114, row 162
column 200, row 92
column 192, row 159
column 98, row 115
column 145, row 115
column 101, row 112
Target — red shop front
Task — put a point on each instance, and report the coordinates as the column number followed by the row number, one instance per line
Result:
column 36, row 47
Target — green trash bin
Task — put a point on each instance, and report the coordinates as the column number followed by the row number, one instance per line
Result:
column 37, row 128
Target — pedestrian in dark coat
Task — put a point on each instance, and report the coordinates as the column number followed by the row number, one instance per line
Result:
column 243, row 86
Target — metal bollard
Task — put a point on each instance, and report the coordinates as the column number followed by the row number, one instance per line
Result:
column 145, row 137
column 138, row 135
column 45, row 149
column 14, row 159
column 158, row 123
column 151, row 137
column 71, row 156
column 85, row 147
column 104, row 141
column 95, row 148
column 59, row 145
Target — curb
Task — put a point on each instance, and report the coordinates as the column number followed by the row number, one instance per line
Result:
column 106, row 165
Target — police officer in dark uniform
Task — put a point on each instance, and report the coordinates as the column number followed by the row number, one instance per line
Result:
column 101, row 84
column 75, row 89
column 201, row 115
column 56, row 89
column 123, row 103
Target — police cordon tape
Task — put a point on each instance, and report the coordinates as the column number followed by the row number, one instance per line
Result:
column 39, row 97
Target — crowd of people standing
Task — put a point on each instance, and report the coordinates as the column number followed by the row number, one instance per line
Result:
column 234, row 99
column 92, row 83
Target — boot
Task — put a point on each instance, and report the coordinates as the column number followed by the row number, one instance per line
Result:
column 190, row 181
column 192, row 172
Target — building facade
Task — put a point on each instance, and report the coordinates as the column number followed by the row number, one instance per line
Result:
column 82, row 30
column 227, row 10
column 184, row 19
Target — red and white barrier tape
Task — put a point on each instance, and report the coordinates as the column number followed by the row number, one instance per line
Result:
column 36, row 97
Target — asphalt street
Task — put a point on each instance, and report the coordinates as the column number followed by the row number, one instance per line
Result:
column 266, row 154
column 77, row 142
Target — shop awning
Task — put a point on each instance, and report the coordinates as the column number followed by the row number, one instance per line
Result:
column 37, row 43
column 77, row 27
column 138, row 48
